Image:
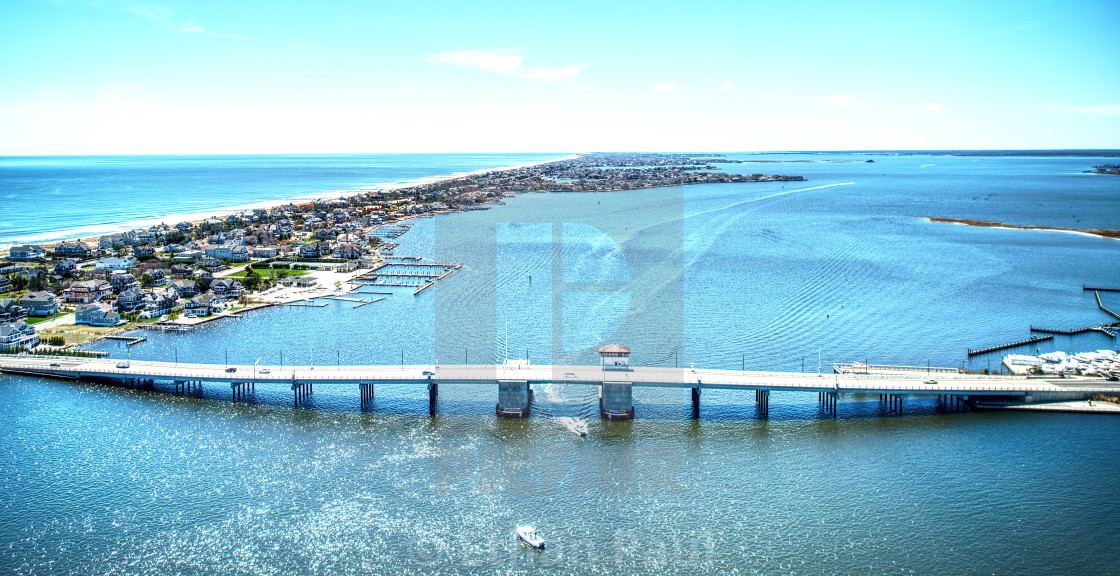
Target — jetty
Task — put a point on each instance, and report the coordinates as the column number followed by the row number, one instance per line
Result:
column 1099, row 288
column 1028, row 341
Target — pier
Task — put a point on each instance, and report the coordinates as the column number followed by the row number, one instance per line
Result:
column 129, row 341
column 1106, row 329
column 1103, row 307
column 514, row 382
column 1099, row 289
column 1032, row 340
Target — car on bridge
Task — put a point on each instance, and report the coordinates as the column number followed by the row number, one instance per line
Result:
column 231, row 369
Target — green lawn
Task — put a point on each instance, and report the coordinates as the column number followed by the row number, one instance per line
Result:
column 268, row 273
column 36, row 319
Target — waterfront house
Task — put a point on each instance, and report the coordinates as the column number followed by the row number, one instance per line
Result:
column 226, row 289
column 204, row 305
column 184, row 288
column 121, row 281
column 130, row 299
column 114, row 263
column 158, row 303
column 143, row 250
column 10, row 310
column 66, row 266
column 184, row 226
column 40, row 303
column 77, row 249
column 18, row 334
column 87, row 291
column 26, row 253
column 97, row 315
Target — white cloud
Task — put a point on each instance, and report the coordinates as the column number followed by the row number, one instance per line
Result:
column 164, row 15
column 196, row 29
column 1093, row 110
column 666, row 87
column 505, row 62
column 933, row 107
column 726, row 87
column 841, row 100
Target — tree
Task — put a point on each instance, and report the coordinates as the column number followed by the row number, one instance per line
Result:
column 37, row 283
column 19, row 282
column 146, row 279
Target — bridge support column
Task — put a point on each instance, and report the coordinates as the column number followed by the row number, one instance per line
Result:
column 433, row 394
column 366, row 393
column 300, row 391
column 762, row 398
column 616, row 401
column 514, row 398
column 696, row 402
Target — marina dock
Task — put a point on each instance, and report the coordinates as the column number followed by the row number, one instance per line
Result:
column 1032, row 340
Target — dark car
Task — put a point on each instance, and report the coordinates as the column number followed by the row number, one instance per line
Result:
column 231, row 369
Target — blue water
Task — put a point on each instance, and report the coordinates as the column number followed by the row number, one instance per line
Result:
column 763, row 275
column 92, row 195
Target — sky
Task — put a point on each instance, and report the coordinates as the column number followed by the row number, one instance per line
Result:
column 354, row 76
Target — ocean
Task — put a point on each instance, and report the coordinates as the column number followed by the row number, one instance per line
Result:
column 770, row 276
column 94, row 195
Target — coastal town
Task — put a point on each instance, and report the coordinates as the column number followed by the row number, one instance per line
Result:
column 56, row 296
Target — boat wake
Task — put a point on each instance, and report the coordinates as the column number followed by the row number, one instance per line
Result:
column 575, row 425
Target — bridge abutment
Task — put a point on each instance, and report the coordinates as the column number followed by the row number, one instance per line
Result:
column 616, row 401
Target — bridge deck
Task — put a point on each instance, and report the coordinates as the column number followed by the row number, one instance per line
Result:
column 70, row 368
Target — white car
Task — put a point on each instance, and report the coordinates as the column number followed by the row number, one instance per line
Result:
column 265, row 371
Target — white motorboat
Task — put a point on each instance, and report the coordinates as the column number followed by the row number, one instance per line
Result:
column 580, row 428
column 529, row 535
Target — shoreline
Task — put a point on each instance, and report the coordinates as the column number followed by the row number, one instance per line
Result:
column 88, row 233
column 1109, row 233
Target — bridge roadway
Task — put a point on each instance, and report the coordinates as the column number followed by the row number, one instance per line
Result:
column 696, row 378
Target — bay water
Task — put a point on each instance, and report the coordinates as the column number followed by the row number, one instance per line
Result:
column 770, row 276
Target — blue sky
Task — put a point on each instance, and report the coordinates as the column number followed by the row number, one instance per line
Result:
column 111, row 76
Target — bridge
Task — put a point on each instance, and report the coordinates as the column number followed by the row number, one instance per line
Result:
column 515, row 381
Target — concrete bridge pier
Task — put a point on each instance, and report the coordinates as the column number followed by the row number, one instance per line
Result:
column 433, row 394
column 616, row 401
column 300, row 391
column 366, row 393
column 828, row 401
column 515, row 398
column 238, row 389
column 696, row 401
column 762, row 398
